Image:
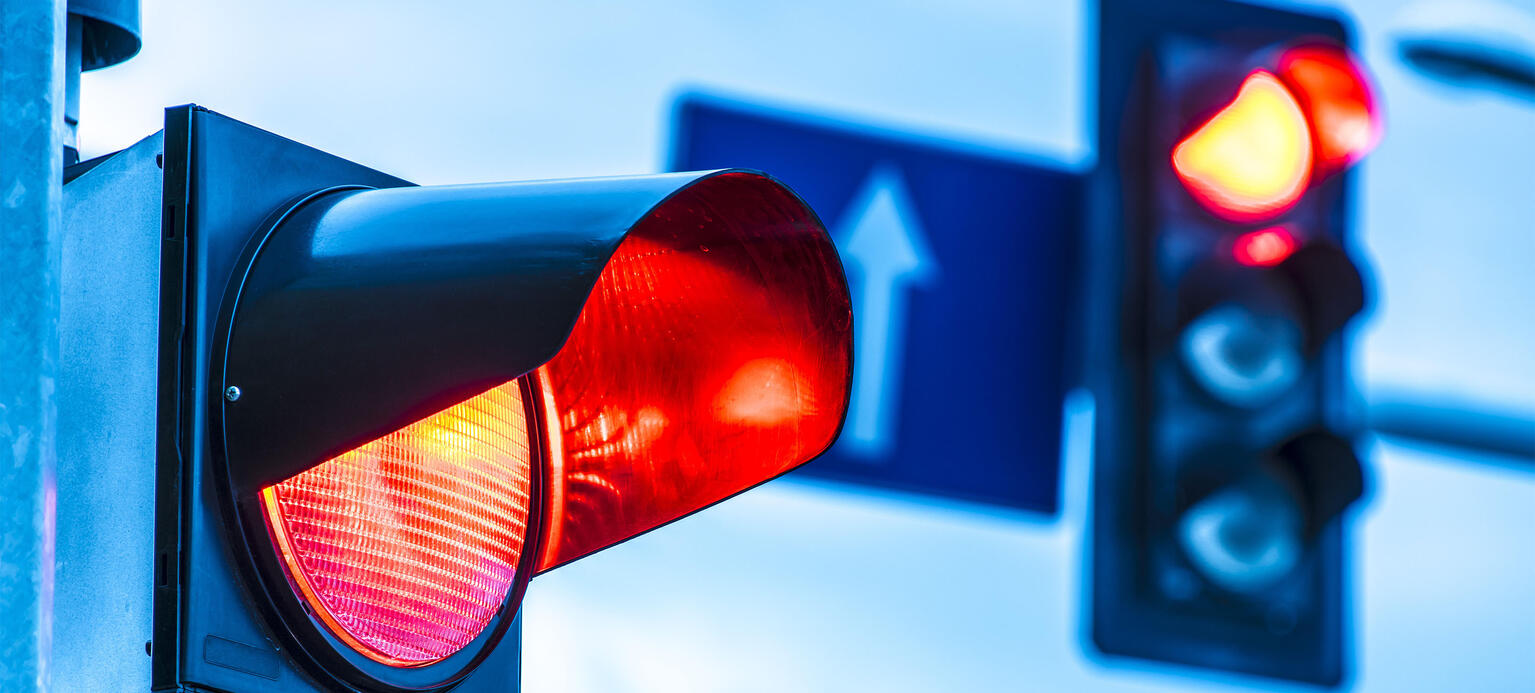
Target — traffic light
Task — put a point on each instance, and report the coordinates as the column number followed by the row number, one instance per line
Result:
column 383, row 408
column 1223, row 457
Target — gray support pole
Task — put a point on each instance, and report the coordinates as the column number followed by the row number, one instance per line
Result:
column 32, row 36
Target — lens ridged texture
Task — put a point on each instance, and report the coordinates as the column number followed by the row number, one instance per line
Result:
column 407, row 546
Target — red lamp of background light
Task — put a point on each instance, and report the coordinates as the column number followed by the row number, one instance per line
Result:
column 1264, row 247
column 1254, row 159
column 1339, row 101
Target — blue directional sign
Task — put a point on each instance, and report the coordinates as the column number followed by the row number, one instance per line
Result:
column 961, row 266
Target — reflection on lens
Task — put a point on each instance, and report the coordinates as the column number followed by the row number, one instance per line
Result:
column 1244, row 537
column 1242, row 358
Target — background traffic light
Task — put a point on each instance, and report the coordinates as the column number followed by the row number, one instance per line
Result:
column 1223, row 454
column 383, row 408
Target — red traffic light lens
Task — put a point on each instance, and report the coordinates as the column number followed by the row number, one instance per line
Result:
column 713, row 354
column 1252, row 159
column 1264, row 247
column 407, row 546
column 1336, row 93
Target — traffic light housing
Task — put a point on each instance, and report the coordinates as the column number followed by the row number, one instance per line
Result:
column 1223, row 457
column 384, row 408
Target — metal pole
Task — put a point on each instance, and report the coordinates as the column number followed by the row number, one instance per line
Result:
column 32, row 39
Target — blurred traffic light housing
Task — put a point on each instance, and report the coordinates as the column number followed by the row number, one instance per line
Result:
column 1223, row 458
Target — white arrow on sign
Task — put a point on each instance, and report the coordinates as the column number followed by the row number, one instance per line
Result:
column 881, row 237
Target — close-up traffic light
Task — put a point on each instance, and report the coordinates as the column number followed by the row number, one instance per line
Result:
column 384, row 408
column 1225, row 453
column 1097, row 345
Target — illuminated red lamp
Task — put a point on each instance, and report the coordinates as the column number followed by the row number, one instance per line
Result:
column 712, row 354
column 1335, row 92
column 1251, row 160
column 1264, row 247
column 406, row 547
